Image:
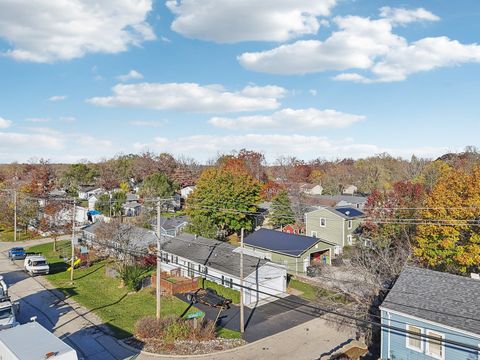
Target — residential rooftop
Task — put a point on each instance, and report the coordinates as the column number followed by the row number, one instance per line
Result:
column 282, row 242
column 439, row 297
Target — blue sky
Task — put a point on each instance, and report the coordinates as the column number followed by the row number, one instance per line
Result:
column 325, row 78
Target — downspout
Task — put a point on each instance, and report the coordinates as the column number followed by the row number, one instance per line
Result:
column 389, row 332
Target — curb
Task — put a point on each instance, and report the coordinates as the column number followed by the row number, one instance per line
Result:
column 166, row 356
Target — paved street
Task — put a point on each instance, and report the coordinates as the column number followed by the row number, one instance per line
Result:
column 70, row 322
column 304, row 339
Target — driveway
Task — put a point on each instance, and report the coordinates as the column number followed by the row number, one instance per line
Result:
column 265, row 320
column 72, row 323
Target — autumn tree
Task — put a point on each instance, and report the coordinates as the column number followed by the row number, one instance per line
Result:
column 223, row 202
column 42, row 178
column 157, row 185
column 270, row 190
column 56, row 219
column 281, row 212
column 450, row 238
column 392, row 214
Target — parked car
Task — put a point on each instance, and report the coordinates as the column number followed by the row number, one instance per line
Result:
column 208, row 297
column 36, row 265
column 17, row 253
column 7, row 308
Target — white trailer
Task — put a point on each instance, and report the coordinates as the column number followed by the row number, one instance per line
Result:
column 31, row 341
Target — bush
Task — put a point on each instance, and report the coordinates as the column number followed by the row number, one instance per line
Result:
column 132, row 276
column 228, row 293
column 171, row 329
column 148, row 261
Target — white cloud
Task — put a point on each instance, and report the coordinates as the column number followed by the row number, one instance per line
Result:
column 46, row 31
column 230, row 21
column 37, row 120
column 290, row 119
column 366, row 45
column 191, row 97
column 57, row 98
column 403, row 16
column 313, row 92
column 273, row 145
column 29, row 141
column 131, row 75
column 148, row 123
column 4, row 123
column 67, row 119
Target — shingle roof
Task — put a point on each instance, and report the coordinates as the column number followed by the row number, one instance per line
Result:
column 218, row 255
column 443, row 298
column 281, row 242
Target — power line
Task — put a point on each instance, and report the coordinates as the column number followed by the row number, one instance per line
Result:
column 315, row 308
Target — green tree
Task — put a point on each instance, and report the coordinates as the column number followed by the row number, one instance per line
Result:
column 450, row 240
column 156, row 185
column 111, row 206
column 78, row 174
column 281, row 212
column 223, row 201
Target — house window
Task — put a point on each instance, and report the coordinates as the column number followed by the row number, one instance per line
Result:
column 223, row 280
column 435, row 346
column 349, row 240
column 337, row 250
column 314, row 234
column 350, row 224
column 176, row 259
column 414, row 342
column 230, row 283
column 323, row 222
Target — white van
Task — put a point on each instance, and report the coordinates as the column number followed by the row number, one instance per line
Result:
column 36, row 265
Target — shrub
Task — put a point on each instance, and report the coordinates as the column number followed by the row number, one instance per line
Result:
column 148, row 261
column 132, row 276
column 228, row 293
column 170, row 329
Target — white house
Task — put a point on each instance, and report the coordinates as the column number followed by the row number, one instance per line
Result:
column 92, row 201
column 85, row 192
column 350, row 190
column 219, row 262
column 186, row 191
column 312, row 189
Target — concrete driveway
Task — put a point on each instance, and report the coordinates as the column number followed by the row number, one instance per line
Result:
column 74, row 324
column 265, row 320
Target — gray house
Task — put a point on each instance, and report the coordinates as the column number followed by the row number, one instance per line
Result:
column 438, row 314
column 296, row 252
column 335, row 225
column 171, row 226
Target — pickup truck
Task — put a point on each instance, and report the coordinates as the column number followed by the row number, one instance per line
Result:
column 36, row 265
column 17, row 253
column 208, row 297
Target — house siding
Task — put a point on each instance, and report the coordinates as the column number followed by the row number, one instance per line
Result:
column 295, row 265
column 267, row 280
column 393, row 346
column 336, row 229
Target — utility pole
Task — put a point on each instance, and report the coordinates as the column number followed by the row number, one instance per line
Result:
column 242, row 320
column 159, row 253
column 73, row 237
column 14, row 214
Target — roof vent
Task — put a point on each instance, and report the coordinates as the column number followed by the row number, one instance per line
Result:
column 347, row 212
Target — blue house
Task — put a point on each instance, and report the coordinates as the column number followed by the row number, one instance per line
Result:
column 443, row 309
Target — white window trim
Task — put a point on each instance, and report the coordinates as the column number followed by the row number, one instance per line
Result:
column 349, row 240
column 313, row 234
column 408, row 338
column 427, row 347
column 325, row 219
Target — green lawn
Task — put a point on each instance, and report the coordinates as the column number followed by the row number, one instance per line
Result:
column 101, row 294
column 7, row 235
column 311, row 292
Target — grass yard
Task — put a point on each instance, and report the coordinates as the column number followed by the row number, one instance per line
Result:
column 6, row 235
column 95, row 291
column 310, row 292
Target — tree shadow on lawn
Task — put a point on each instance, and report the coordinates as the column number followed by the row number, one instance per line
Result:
column 90, row 273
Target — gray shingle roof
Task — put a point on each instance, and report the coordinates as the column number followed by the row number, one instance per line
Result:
column 281, row 242
column 443, row 298
column 218, row 255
